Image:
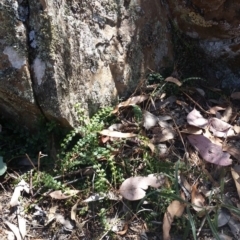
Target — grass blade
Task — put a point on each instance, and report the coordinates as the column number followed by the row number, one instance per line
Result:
column 190, row 217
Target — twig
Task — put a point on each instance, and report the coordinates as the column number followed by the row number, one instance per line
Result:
column 195, row 103
column 30, row 161
column 30, row 183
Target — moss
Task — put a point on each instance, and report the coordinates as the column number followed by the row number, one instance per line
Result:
column 47, row 37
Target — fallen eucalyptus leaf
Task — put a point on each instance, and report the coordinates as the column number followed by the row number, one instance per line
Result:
column 175, row 209
column 149, row 120
column 22, row 185
column 196, row 119
column 236, row 176
column 164, row 135
column 133, row 188
column 173, row 80
column 227, row 114
column 60, row 195
column 209, row 151
column 116, row 134
column 22, row 226
column 232, row 150
column 215, row 109
column 192, row 130
column 74, row 211
column 14, row 229
column 220, row 128
column 131, row 101
column 197, row 199
column 66, row 223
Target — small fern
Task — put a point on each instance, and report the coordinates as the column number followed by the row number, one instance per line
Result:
column 81, row 148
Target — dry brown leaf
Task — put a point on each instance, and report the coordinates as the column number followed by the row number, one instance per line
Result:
column 116, row 126
column 22, row 226
column 74, row 211
column 124, row 231
column 192, row 130
column 209, row 151
column 196, row 119
column 60, row 195
column 213, row 139
column 236, row 176
column 22, row 185
column 162, row 150
column 235, row 95
column 220, row 128
column 165, row 135
column 133, row 188
column 232, row 150
column 116, row 134
column 215, row 109
column 227, row 114
column 197, row 199
column 149, row 120
column 236, row 129
column 131, row 101
column 175, row 209
column 173, row 80
column 151, row 146
column 14, row 229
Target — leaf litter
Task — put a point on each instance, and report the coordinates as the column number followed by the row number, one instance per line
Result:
column 177, row 129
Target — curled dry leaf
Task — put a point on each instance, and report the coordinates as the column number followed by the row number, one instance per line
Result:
column 220, row 128
column 14, row 229
column 133, row 188
column 197, row 199
column 227, row 114
column 175, row 209
column 236, row 176
column 192, row 130
column 149, row 120
column 173, row 80
column 131, row 101
column 232, row 150
column 116, row 126
column 60, row 195
column 22, row 185
column 215, row 109
column 236, row 129
column 22, row 225
column 164, row 135
column 209, row 151
column 116, row 134
column 196, row 119
column 124, row 231
column 66, row 223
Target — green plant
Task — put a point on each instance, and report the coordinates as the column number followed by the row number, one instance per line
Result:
column 82, row 147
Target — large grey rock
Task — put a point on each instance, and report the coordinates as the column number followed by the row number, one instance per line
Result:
column 214, row 26
column 56, row 53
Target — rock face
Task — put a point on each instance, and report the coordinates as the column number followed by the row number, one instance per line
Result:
column 56, row 53
column 214, row 25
